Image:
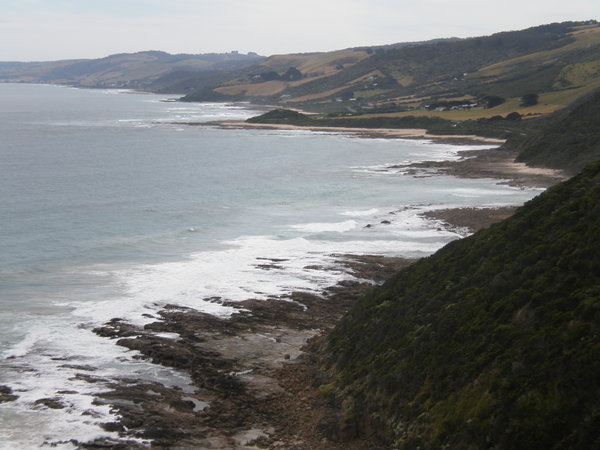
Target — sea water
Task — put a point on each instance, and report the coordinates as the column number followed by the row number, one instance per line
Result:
column 113, row 205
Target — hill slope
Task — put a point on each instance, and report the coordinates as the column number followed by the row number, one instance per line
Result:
column 127, row 70
column 492, row 342
column 568, row 140
column 455, row 78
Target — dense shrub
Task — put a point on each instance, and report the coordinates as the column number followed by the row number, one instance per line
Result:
column 492, row 342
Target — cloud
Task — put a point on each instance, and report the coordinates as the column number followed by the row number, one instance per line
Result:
column 56, row 29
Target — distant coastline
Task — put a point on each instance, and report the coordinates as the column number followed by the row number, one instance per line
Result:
column 494, row 162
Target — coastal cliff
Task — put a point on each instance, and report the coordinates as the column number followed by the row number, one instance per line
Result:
column 492, row 342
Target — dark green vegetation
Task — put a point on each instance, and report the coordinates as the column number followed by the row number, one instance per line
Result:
column 143, row 70
column 499, row 127
column 569, row 139
column 492, row 342
column 284, row 116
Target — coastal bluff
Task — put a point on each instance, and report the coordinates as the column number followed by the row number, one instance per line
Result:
column 492, row 342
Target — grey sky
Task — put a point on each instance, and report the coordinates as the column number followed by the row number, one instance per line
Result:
column 61, row 29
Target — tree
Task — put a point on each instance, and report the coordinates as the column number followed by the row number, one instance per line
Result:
column 270, row 76
column 292, row 74
column 489, row 101
column 529, row 100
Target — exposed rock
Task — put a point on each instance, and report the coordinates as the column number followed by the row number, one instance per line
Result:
column 53, row 403
column 473, row 219
column 6, row 394
column 255, row 384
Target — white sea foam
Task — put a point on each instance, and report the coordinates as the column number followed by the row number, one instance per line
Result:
column 361, row 213
column 339, row 227
column 52, row 362
column 482, row 191
column 421, row 151
column 59, row 344
column 260, row 267
column 117, row 91
column 58, row 354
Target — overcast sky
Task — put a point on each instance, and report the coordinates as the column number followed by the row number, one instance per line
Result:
column 41, row 30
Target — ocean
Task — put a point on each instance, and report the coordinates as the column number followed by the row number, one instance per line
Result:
column 113, row 205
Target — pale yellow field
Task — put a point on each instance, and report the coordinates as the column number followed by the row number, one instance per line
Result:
column 548, row 103
column 321, row 65
column 258, row 89
column 584, row 38
column 316, row 96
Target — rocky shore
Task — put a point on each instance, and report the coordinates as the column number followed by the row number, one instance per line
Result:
column 256, row 375
column 257, row 384
column 256, row 378
column 497, row 163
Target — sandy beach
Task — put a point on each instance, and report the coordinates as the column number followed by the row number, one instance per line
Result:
column 400, row 133
column 495, row 162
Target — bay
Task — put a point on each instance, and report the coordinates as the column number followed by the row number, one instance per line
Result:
column 111, row 206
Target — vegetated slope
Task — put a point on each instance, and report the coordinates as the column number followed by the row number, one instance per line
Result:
column 498, row 127
column 492, row 342
column 458, row 78
column 127, row 70
column 568, row 140
column 269, row 79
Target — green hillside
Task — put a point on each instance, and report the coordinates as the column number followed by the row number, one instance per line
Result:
column 454, row 79
column 569, row 139
column 492, row 342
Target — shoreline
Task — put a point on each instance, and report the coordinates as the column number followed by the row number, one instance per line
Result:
column 397, row 133
column 256, row 376
column 255, row 381
column 494, row 162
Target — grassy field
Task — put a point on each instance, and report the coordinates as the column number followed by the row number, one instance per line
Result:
column 312, row 65
column 558, row 62
column 258, row 89
column 548, row 103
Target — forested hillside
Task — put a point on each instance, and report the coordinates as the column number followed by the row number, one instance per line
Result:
column 492, row 342
column 568, row 140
